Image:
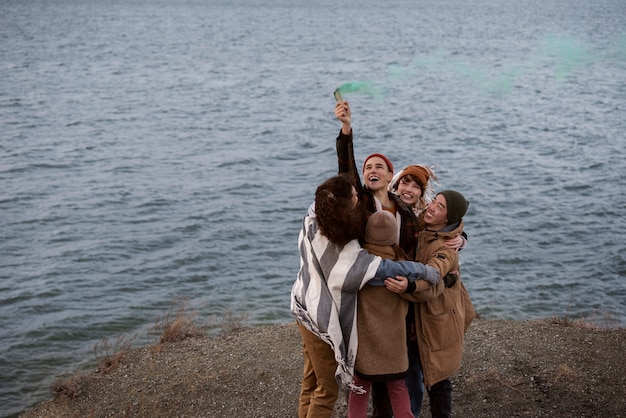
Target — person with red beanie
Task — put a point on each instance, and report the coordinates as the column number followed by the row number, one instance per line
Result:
column 377, row 173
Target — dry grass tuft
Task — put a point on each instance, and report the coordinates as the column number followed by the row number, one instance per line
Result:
column 109, row 356
column 70, row 386
column 178, row 324
column 181, row 328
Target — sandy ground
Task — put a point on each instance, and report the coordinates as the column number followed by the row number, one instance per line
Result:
column 510, row 369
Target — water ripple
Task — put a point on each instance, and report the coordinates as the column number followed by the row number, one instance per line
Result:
column 143, row 162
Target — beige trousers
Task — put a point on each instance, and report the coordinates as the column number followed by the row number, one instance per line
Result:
column 319, row 390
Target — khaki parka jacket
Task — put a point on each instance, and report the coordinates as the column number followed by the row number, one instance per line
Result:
column 442, row 315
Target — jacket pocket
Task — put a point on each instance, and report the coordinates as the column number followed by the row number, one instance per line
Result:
column 440, row 331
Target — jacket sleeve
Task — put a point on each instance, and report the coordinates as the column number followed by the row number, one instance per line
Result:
column 443, row 260
column 346, row 161
column 409, row 269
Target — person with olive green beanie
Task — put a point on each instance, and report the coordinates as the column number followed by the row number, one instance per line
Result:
column 444, row 311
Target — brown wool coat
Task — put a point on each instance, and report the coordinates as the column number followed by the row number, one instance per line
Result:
column 442, row 314
column 382, row 351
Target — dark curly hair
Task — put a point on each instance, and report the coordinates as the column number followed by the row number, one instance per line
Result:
column 337, row 220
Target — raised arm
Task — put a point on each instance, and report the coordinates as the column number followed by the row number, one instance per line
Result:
column 342, row 112
column 345, row 149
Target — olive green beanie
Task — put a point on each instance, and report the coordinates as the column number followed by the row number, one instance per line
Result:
column 457, row 205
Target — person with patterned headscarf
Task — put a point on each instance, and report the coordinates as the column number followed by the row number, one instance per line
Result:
column 414, row 186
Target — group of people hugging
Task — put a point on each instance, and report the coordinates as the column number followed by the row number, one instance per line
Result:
column 378, row 298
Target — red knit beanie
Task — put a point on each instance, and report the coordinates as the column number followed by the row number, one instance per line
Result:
column 387, row 161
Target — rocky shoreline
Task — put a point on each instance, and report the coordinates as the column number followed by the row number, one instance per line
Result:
column 510, row 369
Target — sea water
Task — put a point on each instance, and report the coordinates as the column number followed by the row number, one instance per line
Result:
column 153, row 151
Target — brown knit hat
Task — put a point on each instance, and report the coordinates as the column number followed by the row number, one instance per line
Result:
column 419, row 173
column 381, row 229
column 457, row 205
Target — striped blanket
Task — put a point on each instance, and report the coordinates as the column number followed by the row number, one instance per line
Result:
column 324, row 296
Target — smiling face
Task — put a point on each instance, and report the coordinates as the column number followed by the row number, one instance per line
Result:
column 376, row 174
column 436, row 216
column 409, row 191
